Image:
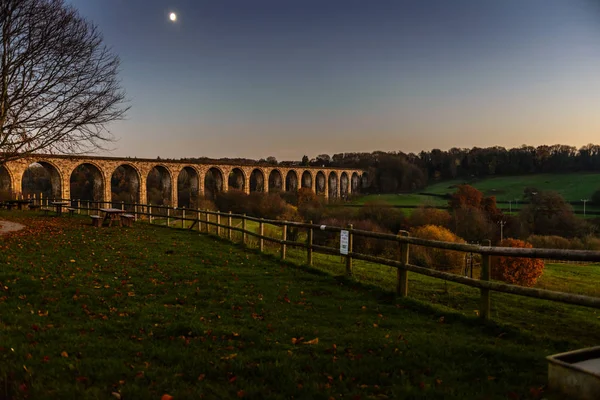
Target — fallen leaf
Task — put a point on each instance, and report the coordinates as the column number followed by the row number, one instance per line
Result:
column 314, row 341
column 64, row 354
column 166, row 397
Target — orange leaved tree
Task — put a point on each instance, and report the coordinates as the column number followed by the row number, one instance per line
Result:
column 517, row 270
column 440, row 259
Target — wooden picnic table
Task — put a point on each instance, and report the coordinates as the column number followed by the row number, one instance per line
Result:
column 18, row 203
column 59, row 205
column 112, row 214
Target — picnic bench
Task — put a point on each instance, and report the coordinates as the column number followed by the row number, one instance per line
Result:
column 127, row 219
column 71, row 211
column 96, row 220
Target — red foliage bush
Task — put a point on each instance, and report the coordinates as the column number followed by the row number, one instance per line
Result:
column 517, row 270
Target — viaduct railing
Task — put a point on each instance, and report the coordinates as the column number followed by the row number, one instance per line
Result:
column 222, row 224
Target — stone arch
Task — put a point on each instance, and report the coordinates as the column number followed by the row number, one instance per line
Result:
column 87, row 182
column 125, row 185
column 291, row 181
column 332, row 186
column 257, row 181
column 6, row 183
column 275, row 180
column 344, row 185
column 320, row 183
column 307, row 180
column 355, row 183
column 42, row 178
column 364, row 180
column 159, row 186
column 188, row 183
column 213, row 182
column 236, row 179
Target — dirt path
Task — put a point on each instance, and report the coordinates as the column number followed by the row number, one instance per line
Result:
column 7, row 226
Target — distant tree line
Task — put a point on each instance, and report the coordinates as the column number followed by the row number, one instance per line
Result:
column 398, row 171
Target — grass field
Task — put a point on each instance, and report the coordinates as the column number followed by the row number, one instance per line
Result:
column 140, row 312
column 573, row 187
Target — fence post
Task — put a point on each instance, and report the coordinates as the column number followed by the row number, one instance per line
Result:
column 229, row 225
column 150, row 212
column 309, row 251
column 484, row 307
column 283, row 238
column 168, row 216
column 183, row 218
column 122, row 205
column 244, row 229
column 348, row 256
column 402, row 288
column 135, row 211
column 198, row 219
column 261, row 232
column 218, row 224
column 78, row 206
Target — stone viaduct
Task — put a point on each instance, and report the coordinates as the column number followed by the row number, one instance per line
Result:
column 204, row 177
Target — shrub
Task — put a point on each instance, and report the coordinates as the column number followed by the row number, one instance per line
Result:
column 360, row 244
column 429, row 216
column 440, row 259
column 265, row 205
column 596, row 197
column 472, row 224
column 235, row 201
column 517, row 270
column 558, row 242
column 549, row 242
column 207, row 204
column 382, row 214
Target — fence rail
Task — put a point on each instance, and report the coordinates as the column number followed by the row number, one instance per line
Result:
column 203, row 220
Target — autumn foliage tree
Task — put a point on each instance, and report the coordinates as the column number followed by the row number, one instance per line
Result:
column 440, row 259
column 517, row 270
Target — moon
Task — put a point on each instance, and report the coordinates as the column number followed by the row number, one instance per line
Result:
column 173, row 17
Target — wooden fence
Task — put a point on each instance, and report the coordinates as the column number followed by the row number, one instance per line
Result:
column 223, row 226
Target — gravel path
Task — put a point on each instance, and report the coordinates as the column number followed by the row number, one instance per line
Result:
column 7, row 226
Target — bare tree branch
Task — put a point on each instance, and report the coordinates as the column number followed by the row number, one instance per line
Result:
column 59, row 86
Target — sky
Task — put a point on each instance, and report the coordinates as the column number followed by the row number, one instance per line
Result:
column 287, row 78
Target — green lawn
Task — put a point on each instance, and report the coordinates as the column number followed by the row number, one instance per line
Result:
column 145, row 311
column 573, row 187
column 402, row 199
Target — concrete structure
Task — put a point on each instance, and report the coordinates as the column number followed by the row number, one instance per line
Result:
column 329, row 182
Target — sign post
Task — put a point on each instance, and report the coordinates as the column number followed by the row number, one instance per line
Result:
column 344, row 235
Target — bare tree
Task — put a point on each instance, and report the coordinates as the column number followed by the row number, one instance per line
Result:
column 58, row 82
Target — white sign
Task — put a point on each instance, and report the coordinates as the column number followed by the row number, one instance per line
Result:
column 344, row 242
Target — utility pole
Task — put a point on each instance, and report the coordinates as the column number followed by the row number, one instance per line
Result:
column 584, row 201
column 501, row 223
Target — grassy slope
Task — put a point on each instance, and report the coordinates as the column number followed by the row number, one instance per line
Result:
column 149, row 310
column 573, row 187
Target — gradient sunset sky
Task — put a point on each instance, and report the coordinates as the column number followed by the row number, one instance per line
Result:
column 254, row 78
